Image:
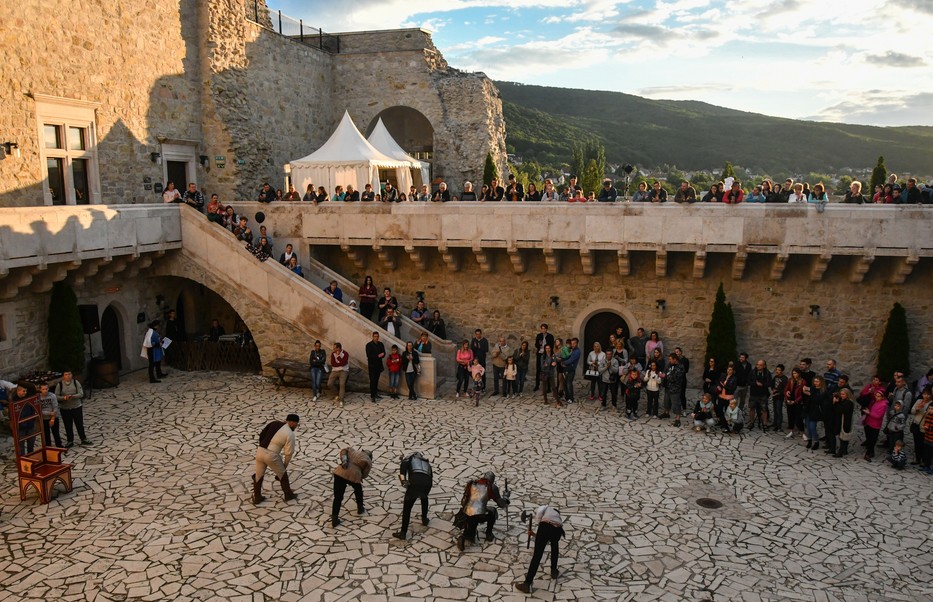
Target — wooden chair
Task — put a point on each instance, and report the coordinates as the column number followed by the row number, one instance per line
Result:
column 39, row 466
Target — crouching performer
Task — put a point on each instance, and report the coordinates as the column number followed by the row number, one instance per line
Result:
column 353, row 468
column 415, row 473
column 474, row 508
column 276, row 438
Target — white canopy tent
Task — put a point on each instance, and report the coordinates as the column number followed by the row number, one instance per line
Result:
column 347, row 158
column 386, row 144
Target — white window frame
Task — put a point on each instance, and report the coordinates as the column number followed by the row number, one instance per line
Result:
column 7, row 327
column 184, row 152
column 65, row 113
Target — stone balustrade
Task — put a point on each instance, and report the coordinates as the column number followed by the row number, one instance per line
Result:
column 43, row 245
column 37, row 236
column 458, row 229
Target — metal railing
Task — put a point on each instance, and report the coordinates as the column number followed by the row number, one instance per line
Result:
column 294, row 29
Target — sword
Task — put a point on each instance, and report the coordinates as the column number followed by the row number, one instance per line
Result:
column 508, row 495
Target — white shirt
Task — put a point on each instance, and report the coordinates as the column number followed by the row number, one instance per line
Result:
column 547, row 514
column 795, row 198
column 170, row 196
column 284, row 439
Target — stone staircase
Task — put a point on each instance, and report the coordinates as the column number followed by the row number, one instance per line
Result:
column 443, row 350
column 285, row 313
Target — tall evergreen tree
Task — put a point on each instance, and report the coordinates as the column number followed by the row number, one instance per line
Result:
column 879, row 175
column 894, row 353
column 490, row 170
column 66, row 336
column 592, row 178
column 727, row 172
column 577, row 164
column 721, row 340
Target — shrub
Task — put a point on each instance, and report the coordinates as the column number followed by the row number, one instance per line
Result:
column 66, row 336
column 720, row 341
column 894, row 353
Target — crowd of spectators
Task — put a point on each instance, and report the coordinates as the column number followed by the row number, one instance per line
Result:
column 729, row 191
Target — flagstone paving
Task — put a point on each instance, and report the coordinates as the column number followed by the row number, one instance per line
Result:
column 161, row 506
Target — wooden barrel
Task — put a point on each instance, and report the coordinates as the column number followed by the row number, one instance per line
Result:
column 105, row 374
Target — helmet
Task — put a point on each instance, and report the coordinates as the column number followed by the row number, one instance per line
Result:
column 490, row 476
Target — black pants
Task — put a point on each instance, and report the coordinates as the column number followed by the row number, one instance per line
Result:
column 463, row 378
column 419, row 486
column 51, row 430
column 155, row 367
column 366, row 310
column 473, row 521
column 871, row 439
column 614, row 386
column 721, row 405
column 73, row 419
column 547, row 534
column 537, row 371
column 340, row 487
column 374, row 373
column 410, row 380
column 498, row 374
column 653, row 401
column 918, row 442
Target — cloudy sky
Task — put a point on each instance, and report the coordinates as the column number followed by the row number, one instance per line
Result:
column 856, row 61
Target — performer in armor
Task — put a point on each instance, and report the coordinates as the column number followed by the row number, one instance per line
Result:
column 276, row 437
column 353, row 468
column 415, row 473
column 550, row 530
column 474, row 510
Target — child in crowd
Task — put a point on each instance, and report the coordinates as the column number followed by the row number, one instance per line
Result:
column 897, row 458
column 477, row 371
column 704, row 414
column 896, row 424
column 735, row 417
column 511, row 375
column 394, row 364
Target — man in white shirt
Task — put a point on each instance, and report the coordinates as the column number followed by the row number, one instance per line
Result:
column 276, row 439
column 550, row 530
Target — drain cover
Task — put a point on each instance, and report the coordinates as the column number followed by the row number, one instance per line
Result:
column 708, row 502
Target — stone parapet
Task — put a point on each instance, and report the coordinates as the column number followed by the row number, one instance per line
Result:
column 562, row 231
column 39, row 236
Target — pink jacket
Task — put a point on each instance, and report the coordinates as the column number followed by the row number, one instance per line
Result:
column 875, row 415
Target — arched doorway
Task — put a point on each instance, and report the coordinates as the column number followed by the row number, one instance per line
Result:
column 600, row 325
column 412, row 131
column 110, row 336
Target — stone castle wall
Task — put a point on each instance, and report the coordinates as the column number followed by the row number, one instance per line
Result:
column 772, row 317
column 201, row 74
column 137, row 60
column 267, row 99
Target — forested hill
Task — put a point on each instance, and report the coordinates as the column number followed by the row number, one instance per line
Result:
column 542, row 123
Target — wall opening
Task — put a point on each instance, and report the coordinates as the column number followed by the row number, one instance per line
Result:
column 598, row 328
column 110, row 336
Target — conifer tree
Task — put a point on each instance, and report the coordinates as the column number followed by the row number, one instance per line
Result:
column 66, row 336
column 879, row 175
column 894, row 353
column 490, row 170
column 721, row 340
column 727, row 172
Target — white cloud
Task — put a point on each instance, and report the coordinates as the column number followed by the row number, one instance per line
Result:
column 880, row 107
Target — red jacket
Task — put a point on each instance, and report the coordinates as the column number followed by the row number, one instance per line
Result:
column 793, row 392
column 394, row 362
column 733, row 198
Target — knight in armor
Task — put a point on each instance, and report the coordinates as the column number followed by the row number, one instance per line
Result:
column 276, row 438
column 353, row 468
column 474, row 508
column 415, row 473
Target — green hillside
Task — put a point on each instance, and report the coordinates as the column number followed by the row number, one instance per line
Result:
column 542, row 123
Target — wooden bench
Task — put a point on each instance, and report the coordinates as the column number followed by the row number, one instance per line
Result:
column 39, row 466
column 296, row 373
column 291, row 373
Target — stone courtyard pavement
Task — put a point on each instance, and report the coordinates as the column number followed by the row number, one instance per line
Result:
column 161, row 507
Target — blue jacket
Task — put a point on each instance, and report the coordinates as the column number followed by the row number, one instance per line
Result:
column 570, row 364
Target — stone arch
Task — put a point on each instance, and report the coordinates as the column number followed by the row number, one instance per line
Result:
column 185, row 268
column 411, row 129
column 595, row 310
column 125, row 324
